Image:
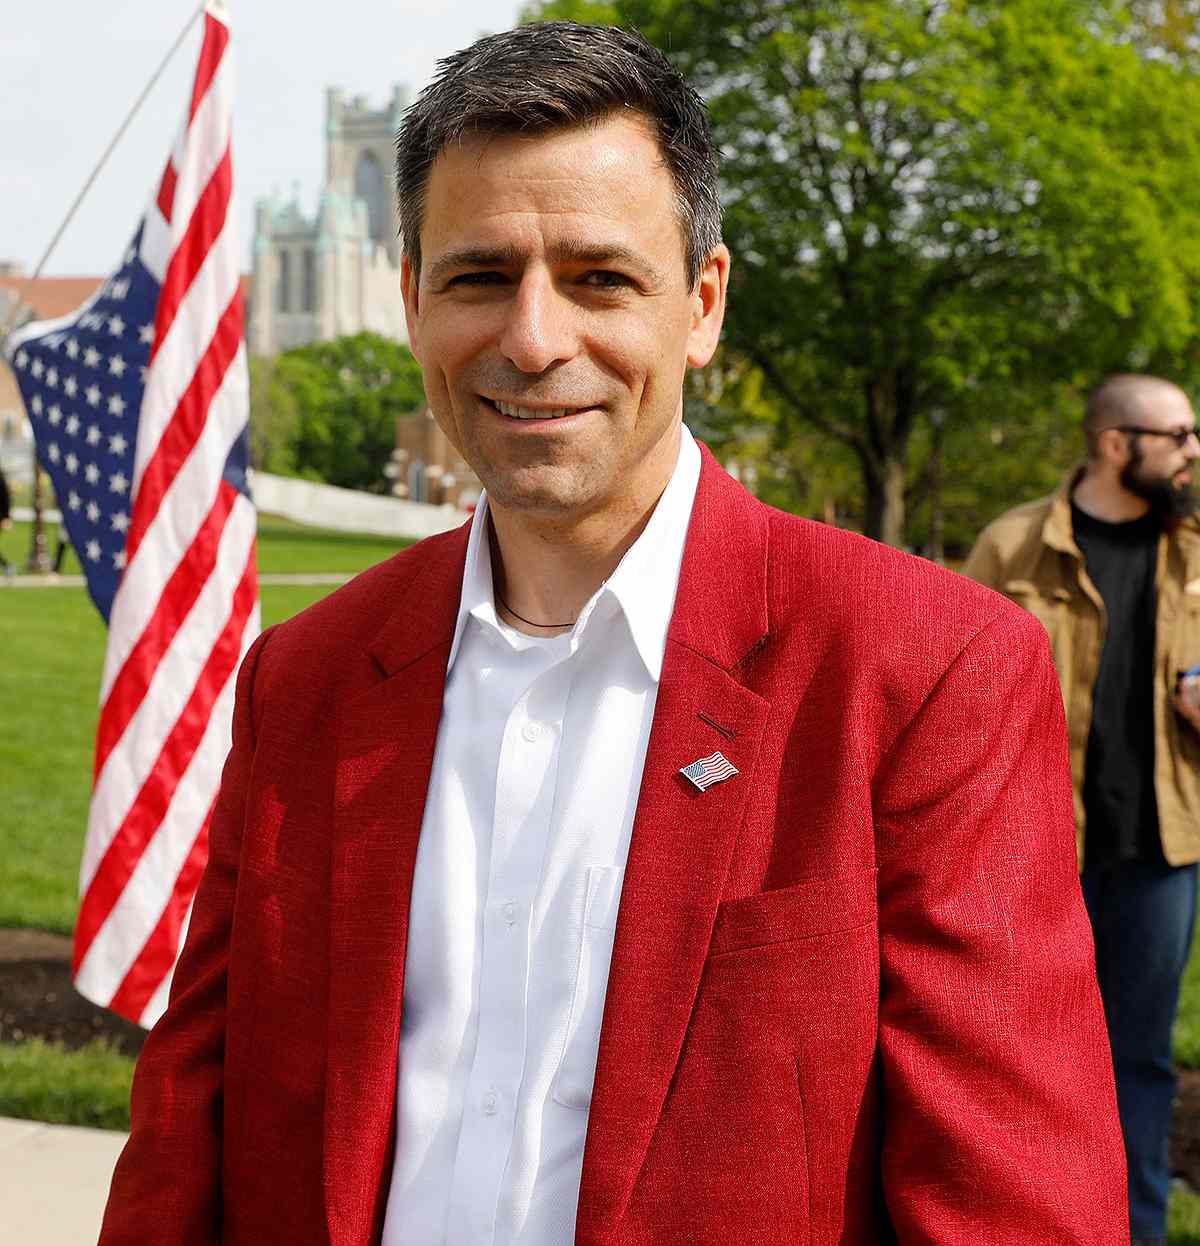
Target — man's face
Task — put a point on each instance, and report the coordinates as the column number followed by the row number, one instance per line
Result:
column 553, row 320
column 1159, row 470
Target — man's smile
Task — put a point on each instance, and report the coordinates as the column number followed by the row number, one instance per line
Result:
column 515, row 411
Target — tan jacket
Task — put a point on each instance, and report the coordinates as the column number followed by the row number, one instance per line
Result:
column 1029, row 554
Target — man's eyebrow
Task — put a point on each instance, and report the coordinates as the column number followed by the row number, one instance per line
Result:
column 570, row 251
column 473, row 257
column 565, row 252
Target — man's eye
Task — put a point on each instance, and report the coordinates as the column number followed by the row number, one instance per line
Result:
column 604, row 279
column 476, row 279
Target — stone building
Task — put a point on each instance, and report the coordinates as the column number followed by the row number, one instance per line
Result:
column 338, row 272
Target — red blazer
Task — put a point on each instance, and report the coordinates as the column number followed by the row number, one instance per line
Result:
column 852, row 997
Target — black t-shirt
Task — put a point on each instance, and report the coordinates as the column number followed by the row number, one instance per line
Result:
column 1118, row 777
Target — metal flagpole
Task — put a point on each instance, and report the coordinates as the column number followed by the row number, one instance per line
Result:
column 38, row 559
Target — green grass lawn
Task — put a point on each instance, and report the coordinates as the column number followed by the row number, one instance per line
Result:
column 284, row 548
column 42, row 1082
column 1183, row 1220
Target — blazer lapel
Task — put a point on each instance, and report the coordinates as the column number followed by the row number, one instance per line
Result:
column 386, row 742
column 682, row 840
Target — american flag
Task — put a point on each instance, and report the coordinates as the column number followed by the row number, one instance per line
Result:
column 709, row 770
column 139, row 406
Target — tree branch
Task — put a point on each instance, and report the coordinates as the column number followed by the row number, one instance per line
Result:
column 831, row 428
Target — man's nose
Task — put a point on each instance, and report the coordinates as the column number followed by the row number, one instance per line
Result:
column 541, row 329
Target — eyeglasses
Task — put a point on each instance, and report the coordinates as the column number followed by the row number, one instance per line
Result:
column 1178, row 435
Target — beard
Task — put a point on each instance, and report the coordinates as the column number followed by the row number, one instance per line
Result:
column 1170, row 502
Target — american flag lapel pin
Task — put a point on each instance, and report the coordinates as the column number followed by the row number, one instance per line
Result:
column 706, row 771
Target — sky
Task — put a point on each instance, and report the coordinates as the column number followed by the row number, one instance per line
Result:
column 71, row 71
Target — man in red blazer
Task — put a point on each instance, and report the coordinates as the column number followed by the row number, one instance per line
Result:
column 789, row 849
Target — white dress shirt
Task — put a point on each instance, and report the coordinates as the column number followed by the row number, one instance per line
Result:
column 518, row 877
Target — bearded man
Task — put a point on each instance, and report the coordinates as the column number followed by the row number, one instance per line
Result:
column 1110, row 564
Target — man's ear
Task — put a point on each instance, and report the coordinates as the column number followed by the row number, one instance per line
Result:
column 1113, row 446
column 708, row 307
column 410, row 285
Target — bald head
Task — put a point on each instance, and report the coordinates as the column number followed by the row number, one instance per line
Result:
column 1130, row 399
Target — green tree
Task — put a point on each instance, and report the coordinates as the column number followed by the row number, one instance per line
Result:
column 328, row 411
column 933, row 204
column 273, row 419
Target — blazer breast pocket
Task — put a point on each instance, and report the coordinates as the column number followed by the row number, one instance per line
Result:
column 805, row 910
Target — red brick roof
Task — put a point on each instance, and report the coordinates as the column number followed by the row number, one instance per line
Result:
column 51, row 297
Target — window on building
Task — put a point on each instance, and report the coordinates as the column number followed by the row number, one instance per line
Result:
column 370, row 186
column 285, row 282
column 310, row 280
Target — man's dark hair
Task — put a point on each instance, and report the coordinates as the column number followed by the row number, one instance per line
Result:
column 552, row 76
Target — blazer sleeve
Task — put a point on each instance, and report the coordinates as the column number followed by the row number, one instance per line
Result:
column 1000, row 1118
column 166, row 1188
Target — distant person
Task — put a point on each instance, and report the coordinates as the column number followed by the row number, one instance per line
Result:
column 1110, row 564
column 636, row 865
column 5, row 524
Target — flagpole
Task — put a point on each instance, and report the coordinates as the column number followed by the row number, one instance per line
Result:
column 39, row 562
column 95, row 173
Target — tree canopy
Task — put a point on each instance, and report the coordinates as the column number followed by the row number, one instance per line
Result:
column 942, row 212
column 328, row 411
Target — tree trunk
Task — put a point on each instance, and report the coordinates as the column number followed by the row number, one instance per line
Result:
column 885, row 509
column 937, row 515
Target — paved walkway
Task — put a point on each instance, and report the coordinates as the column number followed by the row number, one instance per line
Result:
column 54, row 1182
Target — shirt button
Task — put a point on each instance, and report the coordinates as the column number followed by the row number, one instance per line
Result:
column 530, row 732
column 489, row 1103
column 510, row 913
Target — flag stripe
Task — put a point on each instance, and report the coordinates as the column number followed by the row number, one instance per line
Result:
column 185, row 428
column 203, row 230
column 130, row 764
column 200, row 148
column 156, row 958
column 187, row 342
column 144, row 819
column 212, row 52
column 172, row 607
column 121, row 939
column 166, row 191
column 179, row 522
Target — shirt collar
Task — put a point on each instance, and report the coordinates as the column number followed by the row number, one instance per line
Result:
column 643, row 585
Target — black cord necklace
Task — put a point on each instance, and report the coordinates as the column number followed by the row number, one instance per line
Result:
column 529, row 622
